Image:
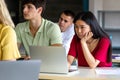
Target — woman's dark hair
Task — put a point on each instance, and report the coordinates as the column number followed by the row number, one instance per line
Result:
column 89, row 18
column 36, row 3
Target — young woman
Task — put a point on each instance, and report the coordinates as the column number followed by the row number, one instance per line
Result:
column 90, row 45
column 8, row 40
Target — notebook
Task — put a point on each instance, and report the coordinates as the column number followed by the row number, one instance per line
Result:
column 53, row 58
column 19, row 70
column 107, row 71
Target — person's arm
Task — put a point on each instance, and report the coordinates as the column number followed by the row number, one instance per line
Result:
column 72, row 53
column 19, row 40
column 70, row 60
column 23, row 57
column 54, row 35
column 56, row 45
column 10, row 50
column 10, row 60
column 92, row 62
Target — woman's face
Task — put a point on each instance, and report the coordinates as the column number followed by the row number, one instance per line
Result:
column 81, row 28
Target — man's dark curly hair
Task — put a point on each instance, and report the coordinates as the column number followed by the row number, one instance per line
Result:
column 36, row 3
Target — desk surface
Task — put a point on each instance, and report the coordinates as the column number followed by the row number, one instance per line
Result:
column 83, row 73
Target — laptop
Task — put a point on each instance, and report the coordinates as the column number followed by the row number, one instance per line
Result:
column 53, row 58
column 20, row 70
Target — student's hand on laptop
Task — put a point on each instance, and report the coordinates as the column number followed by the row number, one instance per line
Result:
column 27, row 58
column 69, row 65
column 24, row 58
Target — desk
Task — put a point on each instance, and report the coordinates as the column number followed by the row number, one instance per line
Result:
column 83, row 73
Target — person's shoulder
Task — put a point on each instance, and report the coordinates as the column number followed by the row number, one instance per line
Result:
column 5, row 27
column 105, row 39
column 70, row 29
column 22, row 24
column 49, row 23
column 75, row 37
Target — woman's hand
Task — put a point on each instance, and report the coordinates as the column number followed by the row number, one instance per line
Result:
column 87, row 36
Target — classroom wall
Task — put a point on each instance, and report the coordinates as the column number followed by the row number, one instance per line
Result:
column 55, row 7
column 95, row 5
column 112, row 6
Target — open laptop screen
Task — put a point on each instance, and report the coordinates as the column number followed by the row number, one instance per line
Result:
column 19, row 70
column 53, row 58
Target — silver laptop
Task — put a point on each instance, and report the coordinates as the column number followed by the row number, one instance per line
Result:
column 19, row 70
column 53, row 58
